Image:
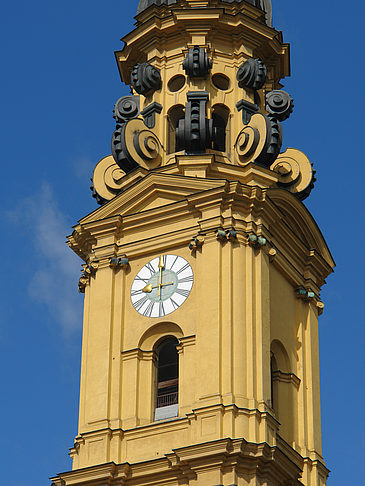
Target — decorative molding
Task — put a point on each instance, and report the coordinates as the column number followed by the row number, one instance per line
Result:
column 283, row 377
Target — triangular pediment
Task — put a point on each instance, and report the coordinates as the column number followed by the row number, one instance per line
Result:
column 153, row 191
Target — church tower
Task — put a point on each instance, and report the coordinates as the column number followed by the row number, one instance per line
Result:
column 202, row 266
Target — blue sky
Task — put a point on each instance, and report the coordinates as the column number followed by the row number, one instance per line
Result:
column 58, row 85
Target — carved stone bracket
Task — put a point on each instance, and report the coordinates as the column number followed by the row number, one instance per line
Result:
column 226, row 235
column 248, row 109
column 196, row 242
column 88, row 271
column 195, row 131
column 305, row 294
column 197, row 63
column 149, row 114
column 256, row 241
column 119, row 262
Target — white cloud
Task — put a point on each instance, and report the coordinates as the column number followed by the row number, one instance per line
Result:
column 54, row 283
column 83, row 168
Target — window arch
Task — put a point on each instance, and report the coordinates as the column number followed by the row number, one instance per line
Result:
column 284, row 389
column 221, row 118
column 167, row 379
column 175, row 114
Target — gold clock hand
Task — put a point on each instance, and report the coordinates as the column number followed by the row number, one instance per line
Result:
column 160, row 266
column 148, row 288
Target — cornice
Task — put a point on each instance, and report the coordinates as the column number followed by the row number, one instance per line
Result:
column 156, row 27
column 129, row 225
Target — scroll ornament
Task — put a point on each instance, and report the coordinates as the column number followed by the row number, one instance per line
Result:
column 106, row 180
column 145, row 78
column 252, row 74
column 125, row 108
column 295, row 172
column 259, row 141
column 280, row 104
column 133, row 146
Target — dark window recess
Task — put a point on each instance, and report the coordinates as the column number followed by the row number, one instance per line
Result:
column 175, row 115
column 167, row 374
column 219, row 141
column 273, row 368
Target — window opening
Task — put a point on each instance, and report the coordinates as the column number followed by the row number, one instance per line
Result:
column 167, row 380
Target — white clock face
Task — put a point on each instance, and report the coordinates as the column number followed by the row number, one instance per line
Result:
column 162, row 286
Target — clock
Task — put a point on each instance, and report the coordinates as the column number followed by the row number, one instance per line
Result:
column 162, row 286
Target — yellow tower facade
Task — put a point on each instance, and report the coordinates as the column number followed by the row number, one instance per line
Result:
column 203, row 268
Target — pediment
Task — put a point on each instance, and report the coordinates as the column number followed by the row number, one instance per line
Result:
column 300, row 221
column 153, row 191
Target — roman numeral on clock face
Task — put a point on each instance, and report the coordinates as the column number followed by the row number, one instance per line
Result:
column 184, row 293
column 140, row 303
column 149, row 267
column 188, row 279
column 182, row 269
column 148, row 311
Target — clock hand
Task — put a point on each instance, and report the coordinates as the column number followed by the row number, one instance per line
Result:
column 148, row 288
column 161, row 266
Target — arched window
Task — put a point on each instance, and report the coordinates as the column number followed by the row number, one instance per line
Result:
column 284, row 390
column 274, row 390
column 220, row 115
column 175, row 114
column 167, row 392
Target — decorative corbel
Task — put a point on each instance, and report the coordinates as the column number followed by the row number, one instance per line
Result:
column 305, row 294
column 149, row 114
column 226, row 235
column 119, row 262
column 88, row 271
column 256, row 241
column 248, row 109
column 196, row 242
column 197, row 63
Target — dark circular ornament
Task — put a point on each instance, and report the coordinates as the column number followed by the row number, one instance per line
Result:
column 252, row 74
column 126, row 108
column 145, row 78
column 280, row 104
